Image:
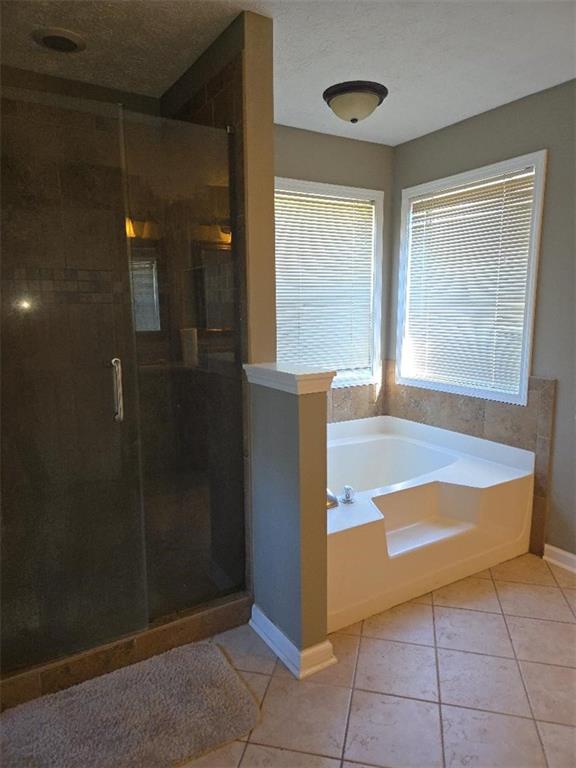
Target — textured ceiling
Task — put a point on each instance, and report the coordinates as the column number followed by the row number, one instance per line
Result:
column 442, row 61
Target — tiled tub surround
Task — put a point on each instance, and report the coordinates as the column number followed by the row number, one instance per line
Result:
column 481, row 673
column 360, row 402
column 430, row 506
column 529, row 427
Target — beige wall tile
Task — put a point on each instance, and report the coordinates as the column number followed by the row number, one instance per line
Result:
column 546, row 405
column 538, row 528
column 353, row 403
column 513, row 424
column 542, row 466
column 329, row 408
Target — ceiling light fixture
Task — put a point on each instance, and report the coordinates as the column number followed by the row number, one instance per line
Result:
column 60, row 40
column 354, row 100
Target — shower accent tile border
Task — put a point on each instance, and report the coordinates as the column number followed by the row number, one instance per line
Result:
column 63, row 673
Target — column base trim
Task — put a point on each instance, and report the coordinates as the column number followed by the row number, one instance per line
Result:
column 302, row 663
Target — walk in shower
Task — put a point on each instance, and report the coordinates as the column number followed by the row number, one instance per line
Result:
column 122, row 457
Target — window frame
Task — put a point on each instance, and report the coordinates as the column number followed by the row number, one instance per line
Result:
column 411, row 194
column 322, row 189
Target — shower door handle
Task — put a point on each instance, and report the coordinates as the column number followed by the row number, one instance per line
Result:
column 116, row 364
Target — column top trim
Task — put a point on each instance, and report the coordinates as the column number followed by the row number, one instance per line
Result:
column 295, row 379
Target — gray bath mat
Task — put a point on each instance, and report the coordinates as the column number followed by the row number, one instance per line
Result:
column 154, row 714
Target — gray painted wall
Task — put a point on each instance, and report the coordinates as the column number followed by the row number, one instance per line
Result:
column 288, row 468
column 544, row 120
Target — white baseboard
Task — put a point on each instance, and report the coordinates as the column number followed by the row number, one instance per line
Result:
column 560, row 557
column 302, row 663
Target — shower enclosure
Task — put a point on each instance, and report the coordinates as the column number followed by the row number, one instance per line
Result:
column 122, row 458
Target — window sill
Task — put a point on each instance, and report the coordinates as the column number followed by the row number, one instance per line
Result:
column 354, row 381
column 520, row 399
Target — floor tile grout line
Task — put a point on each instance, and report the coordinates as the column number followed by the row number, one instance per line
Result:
column 375, row 765
column 461, row 706
column 353, row 688
column 499, row 613
column 466, row 650
column 314, row 754
column 570, row 606
column 496, row 582
column 292, row 749
column 261, row 705
column 519, row 667
column 561, row 587
column 492, row 613
column 438, row 682
column 439, row 702
column 243, row 753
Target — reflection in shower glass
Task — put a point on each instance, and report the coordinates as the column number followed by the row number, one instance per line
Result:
column 188, row 354
column 146, row 303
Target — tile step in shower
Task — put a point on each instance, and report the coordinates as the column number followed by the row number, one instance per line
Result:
column 421, row 534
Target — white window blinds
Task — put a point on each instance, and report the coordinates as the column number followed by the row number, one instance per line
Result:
column 325, row 250
column 145, row 294
column 467, row 286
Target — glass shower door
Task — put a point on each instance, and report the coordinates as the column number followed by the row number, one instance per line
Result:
column 73, row 568
column 185, row 280
column 122, row 459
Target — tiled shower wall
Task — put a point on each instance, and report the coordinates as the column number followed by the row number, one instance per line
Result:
column 528, row 427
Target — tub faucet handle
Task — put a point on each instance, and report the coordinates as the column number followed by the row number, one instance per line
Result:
column 348, row 497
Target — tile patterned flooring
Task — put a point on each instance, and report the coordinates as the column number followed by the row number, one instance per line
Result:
column 478, row 674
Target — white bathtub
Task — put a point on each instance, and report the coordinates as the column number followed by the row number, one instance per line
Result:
column 430, row 506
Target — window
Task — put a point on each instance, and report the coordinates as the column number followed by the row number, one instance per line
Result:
column 328, row 268
column 145, row 293
column 467, row 280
